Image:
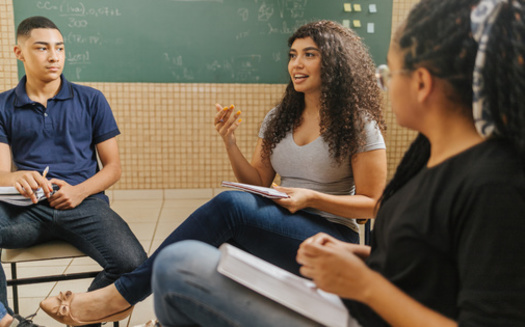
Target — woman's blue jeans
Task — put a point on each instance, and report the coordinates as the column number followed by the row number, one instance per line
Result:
column 249, row 221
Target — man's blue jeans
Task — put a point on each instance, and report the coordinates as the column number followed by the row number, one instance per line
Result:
column 92, row 227
column 3, row 311
column 249, row 221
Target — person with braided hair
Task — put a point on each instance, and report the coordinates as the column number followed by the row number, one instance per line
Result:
column 324, row 140
column 449, row 231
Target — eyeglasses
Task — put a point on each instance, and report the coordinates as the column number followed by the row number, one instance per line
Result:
column 383, row 75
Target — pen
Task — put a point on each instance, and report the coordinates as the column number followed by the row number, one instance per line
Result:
column 45, row 172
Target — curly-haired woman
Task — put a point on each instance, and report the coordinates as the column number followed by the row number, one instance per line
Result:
column 324, row 140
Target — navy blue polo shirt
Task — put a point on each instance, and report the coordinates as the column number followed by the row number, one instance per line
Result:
column 62, row 136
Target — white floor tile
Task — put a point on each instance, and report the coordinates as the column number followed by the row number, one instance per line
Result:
column 34, row 290
column 176, row 214
column 165, row 228
column 137, row 195
column 143, row 231
column 84, row 261
column 95, row 267
column 155, row 244
column 185, row 203
column 138, row 210
column 142, row 313
column 187, row 194
column 41, row 263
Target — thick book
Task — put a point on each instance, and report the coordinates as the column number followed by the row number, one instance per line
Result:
column 294, row 292
column 10, row 194
column 260, row 190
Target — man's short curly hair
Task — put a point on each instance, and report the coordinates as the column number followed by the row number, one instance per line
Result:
column 27, row 25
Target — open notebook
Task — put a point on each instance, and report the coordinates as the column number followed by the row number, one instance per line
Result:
column 296, row 293
column 263, row 191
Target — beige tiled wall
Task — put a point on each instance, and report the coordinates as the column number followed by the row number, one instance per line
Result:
column 168, row 141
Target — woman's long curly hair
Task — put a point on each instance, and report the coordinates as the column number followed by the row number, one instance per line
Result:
column 437, row 35
column 349, row 93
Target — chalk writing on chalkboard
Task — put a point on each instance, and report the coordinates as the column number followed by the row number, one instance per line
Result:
column 194, row 41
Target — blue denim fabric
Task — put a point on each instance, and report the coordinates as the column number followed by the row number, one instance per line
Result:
column 92, row 227
column 3, row 311
column 188, row 291
column 249, row 221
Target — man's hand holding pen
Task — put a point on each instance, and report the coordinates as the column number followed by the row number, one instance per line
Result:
column 26, row 182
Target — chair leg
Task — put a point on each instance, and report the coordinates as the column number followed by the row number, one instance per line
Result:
column 15, row 287
column 367, row 232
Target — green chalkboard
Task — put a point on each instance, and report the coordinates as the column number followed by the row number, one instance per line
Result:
column 194, row 41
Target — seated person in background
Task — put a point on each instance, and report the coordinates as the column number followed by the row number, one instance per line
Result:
column 324, row 140
column 47, row 121
column 450, row 229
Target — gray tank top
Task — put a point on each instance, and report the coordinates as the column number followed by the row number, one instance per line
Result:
column 310, row 166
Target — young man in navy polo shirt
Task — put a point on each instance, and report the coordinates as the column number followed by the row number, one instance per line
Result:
column 47, row 121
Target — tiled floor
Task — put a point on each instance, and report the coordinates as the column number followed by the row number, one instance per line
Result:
column 151, row 218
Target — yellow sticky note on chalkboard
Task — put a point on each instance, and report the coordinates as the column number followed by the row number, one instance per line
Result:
column 347, row 7
column 357, row 7
column 356, row 23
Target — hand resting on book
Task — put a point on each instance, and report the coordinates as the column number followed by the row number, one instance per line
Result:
column 335, row 266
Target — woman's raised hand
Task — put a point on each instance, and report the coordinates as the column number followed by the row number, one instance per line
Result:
column 226, row 122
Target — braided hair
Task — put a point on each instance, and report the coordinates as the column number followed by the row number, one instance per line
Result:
column 505, row 75
column 349, row 93
column 437, row 35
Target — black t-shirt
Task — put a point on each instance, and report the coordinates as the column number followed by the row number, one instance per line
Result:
column 453, row 238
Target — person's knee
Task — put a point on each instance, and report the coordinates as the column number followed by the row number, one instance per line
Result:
column 224, row 198
column 130, row 259
column 164, row 266
column 234, row 203
column 183, row 258
column 168, row 263
column 176, row 254
column 137, row 259
column 230, row 198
